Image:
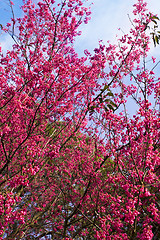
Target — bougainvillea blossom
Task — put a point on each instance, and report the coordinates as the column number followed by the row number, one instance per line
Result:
column 76, row 163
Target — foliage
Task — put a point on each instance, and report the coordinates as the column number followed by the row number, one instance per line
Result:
column 74, row 163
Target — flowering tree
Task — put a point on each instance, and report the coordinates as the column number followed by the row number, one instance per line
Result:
column 74, row 163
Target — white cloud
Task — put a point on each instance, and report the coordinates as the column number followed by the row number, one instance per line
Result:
column 6, row 43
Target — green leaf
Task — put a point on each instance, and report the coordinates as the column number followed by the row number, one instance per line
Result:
column 155, row 26
column 101, row 100
column 75, row 138
column 113, row 104
column 110, row 107
column 92, row 108
column 87, row 139
column 157, row 39
column 105, row 87
column 154, row 21
column 110, row 94
column 153, row 39
column 155, row 17
column 106, row 109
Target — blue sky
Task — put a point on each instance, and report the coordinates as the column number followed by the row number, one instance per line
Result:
column 107, row 17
